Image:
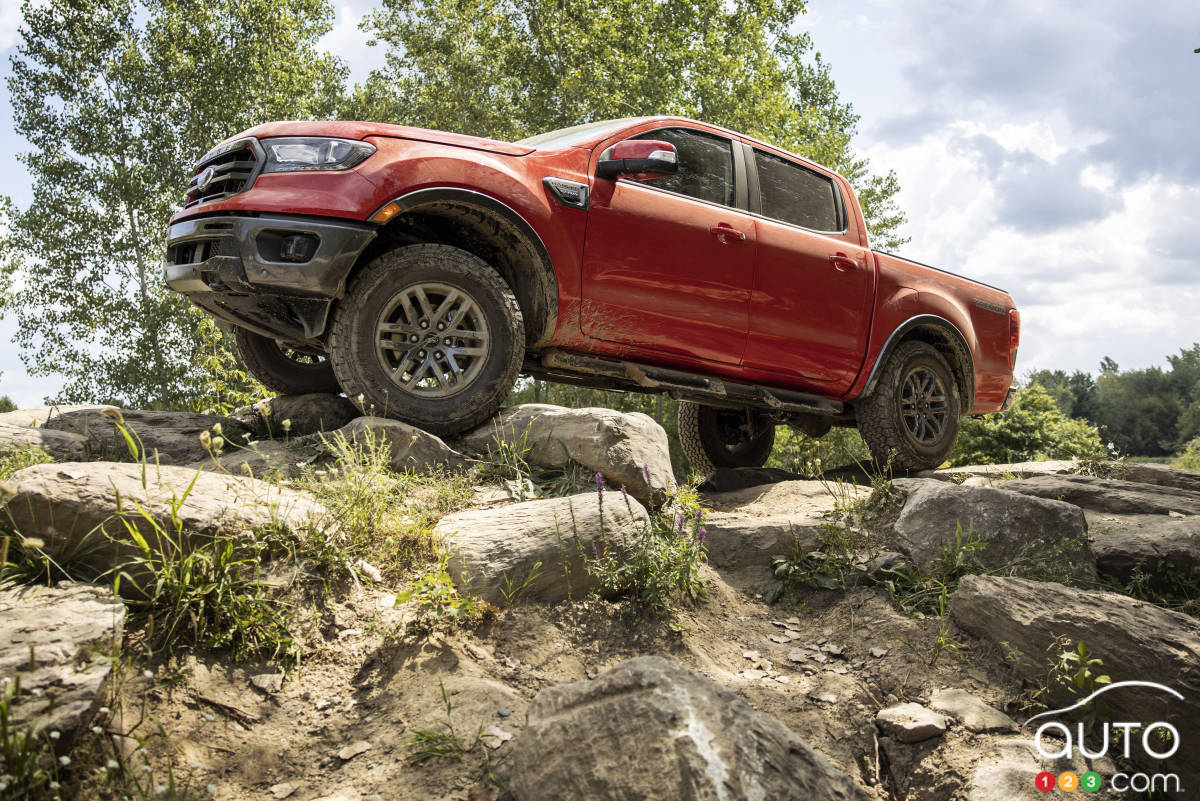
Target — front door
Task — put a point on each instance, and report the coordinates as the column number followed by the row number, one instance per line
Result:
column 668, row 262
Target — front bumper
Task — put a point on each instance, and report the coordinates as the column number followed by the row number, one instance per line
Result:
column 239, row 268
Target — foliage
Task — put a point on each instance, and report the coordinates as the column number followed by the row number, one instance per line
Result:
column 443, row 743
column 20, row 458
column 512, row 68
column 811, row 457
column 438, row 598
column 1073, row 672
column 1161, row 582
column 116, row 99
column 919, row 593
column 6, row 404
column 1034, row 429
column 662, row 563
column 1190, row 458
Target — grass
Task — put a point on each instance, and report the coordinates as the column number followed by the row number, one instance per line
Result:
column 20, row 458
column 443, row 743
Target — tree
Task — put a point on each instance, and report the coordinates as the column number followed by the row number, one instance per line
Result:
column 6, row 404
column 117, row 99
column 1033, row 429
column 511, row 68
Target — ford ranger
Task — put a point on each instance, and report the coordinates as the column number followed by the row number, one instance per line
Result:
column 427, row 270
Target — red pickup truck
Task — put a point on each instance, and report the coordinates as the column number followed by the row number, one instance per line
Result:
column 427, row 270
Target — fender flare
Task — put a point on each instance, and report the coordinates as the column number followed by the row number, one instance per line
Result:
column 545, row 292
column 947, row 329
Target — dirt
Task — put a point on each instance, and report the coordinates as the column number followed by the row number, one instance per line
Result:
column 342, row 725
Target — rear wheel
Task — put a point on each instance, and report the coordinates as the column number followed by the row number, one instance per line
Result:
column 284, row 369
column 911, row 420
column 713, row 437
column 431, row 335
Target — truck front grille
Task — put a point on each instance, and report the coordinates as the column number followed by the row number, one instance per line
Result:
column 225, row 172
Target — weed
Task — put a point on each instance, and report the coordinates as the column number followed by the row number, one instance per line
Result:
column 26, row 560
column 661, row 563
column 444, row 743
column 438, row 598
column 20, row 458
column 1164, row 584
column 919, row 593
column 513, row 590
column 1074, row 672
column 1109, row 463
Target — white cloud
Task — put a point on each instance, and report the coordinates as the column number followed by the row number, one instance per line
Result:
column 10, row 21
column 349, row 43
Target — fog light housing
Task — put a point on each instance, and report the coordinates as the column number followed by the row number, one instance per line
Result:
column 297, row 248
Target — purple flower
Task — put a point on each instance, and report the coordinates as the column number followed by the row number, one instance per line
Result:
column 679, row 523
column 701, row 534
column 599, row 481
column 646, row 470
column 624, row 494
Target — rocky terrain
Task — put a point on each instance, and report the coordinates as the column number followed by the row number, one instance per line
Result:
column 316, row 604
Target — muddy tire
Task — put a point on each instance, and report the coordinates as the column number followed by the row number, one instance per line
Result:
column 911, row 420
column 431, row 335
column 713, row 437
column 283, row 369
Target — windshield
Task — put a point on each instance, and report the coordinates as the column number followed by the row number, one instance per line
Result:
column 566, row 137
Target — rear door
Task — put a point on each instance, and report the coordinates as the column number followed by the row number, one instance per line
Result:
column 810, row 308
column 668, row 262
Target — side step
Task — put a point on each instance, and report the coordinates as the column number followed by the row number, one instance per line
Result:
column 582, row 369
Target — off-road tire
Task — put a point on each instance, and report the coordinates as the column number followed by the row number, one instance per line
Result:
column 354, row 337
column 700, row 435
column 882, row 416
column 282, row 369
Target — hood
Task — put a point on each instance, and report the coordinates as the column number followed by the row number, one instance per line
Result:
column 361, row 130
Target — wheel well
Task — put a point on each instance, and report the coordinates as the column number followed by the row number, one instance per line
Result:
column 955, row 352
column 488, row 229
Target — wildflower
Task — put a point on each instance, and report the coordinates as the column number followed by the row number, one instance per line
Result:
column 287, row 425
column 646, row 471
column 54, row 735
column 217, row 429
column 599, row 481
column 105, row 710
column 148, row 673
column 147, row 769
column 218, row 443
column 679, row 523
column 701, row 534
column 64, row 760
column 97, row 730
column 54, row 785
column 112, row 763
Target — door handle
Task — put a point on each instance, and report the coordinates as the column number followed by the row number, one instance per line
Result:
column 724, row 230
column 842, row 262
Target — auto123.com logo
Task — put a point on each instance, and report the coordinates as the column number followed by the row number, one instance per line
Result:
column 1055, row 739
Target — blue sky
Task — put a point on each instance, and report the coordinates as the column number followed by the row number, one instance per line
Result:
column 1049, row 148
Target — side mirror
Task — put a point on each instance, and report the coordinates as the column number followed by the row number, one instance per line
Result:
column 638, row 158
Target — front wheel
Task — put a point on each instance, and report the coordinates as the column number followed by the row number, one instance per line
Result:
column 284, row 369
column 431, row 335
column 911, row 420
column 713, row 437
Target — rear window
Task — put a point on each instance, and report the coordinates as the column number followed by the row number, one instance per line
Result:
column 792, row 194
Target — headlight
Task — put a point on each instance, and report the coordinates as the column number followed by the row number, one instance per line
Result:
column 295, row 153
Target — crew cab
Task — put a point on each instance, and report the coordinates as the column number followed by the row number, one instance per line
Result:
column 426, row 271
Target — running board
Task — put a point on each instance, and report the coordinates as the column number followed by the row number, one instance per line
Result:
column 683, row 385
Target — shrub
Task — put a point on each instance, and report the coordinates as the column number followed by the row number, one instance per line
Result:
column 1034, row 429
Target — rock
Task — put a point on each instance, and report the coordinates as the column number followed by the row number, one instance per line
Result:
column 264, row 459
column 1050, row 535
column 1157, row 544
column 629, row 449
column 354, row 749
column 795, row 499
column 284, row 789
column 731, row 479
column 735, row 540
column 268, row 682
column 36, row 416
column 1015, row 470
column 61, row 445
column 167, row 437
column 296, row 415
column 649, row 728
column 65, row 505
column 1109, row 495
column 1160, row 474
column 496, row 551
column 910, row 723
column 971, row 712
column 1008, row 767
column 410, row 448
column 69, row 633
column 1137, row 642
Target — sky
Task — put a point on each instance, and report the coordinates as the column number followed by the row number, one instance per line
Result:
column 1048, row 148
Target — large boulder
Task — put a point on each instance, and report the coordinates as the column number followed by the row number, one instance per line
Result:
column 59, row 444
column 408, row 448
column 1156, row 544
column 57, row 642
column 998, row 472
column 1150, row 473
column 1110, row 495
column 36, row 416
column 1137, row 642
column 1049, row 535
column 496, row 551
column 751, row 526
column 166, row 437
column 266, row 459
column 629, row 449
column 649, row 728
column 296, row 415
column 65, row 505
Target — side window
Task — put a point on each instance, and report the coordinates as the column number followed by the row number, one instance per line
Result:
column 705, row 165
column 795, row 195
